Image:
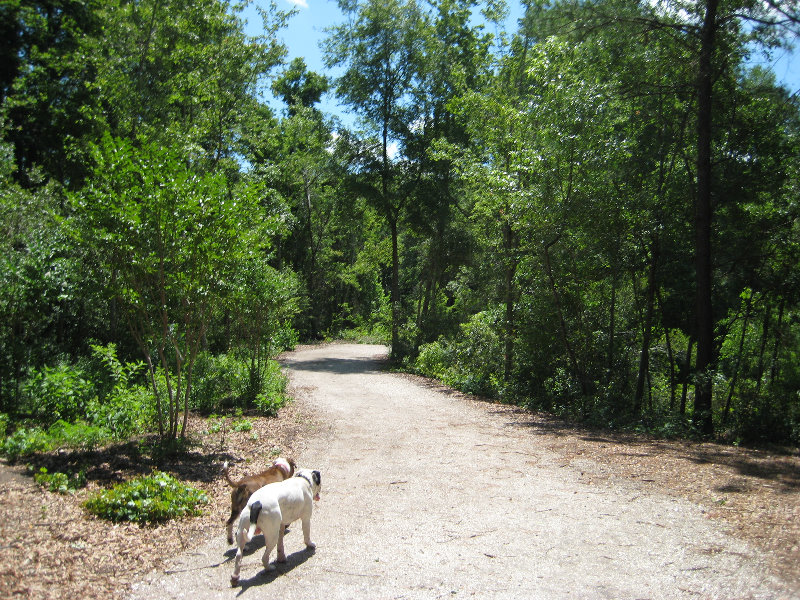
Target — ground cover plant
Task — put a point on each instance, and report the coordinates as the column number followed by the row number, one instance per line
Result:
column 151, row 499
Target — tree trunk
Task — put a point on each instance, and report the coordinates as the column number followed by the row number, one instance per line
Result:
column 739, row 353
column 671, row 358
column 644, row 355
column 763, row 349
column 395, row 292
column 688, row 364
column 703, row 416
column 612, row 327
column 573, row 359
column 510, row 269
column 774, row 369
column 312, row 248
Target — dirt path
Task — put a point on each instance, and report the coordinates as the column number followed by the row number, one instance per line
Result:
column 426, row 495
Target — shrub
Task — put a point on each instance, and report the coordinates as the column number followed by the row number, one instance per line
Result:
column 60, row 482
column 108, row 373
column 434, row 360
column 121, row 406
column 270, row 405
column 219, row 382
column 57, row 393
column 472, row 363
column 273, row 390
column 77, row 435
column 25, row 442
column 124, row 412
column 242, row 425
column 157, row 498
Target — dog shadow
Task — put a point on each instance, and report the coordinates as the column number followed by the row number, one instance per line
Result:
column 264, row 577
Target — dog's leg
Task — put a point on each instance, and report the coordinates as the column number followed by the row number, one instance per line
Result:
column 229, row 526
column 241, row 538
column 237, row 565
column 281, row 553
column 239, row 497
column 269, row 544
column 307, row 533
column 270, row 524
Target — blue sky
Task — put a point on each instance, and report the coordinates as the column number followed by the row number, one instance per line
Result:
column 306, row 29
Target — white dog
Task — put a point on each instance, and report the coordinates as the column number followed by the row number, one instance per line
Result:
column 273, row 507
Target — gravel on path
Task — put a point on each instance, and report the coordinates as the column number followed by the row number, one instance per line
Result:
column 426, row 495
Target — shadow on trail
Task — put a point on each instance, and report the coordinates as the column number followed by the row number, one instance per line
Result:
column 779, row 470
column 339, row 366
column 265, row 577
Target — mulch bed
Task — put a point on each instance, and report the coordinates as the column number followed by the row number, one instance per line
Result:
column 50, row 547
column 755, row 492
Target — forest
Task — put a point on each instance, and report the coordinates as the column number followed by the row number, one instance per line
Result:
column 595, row 214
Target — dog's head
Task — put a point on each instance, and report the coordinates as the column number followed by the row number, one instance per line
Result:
column 314, row 478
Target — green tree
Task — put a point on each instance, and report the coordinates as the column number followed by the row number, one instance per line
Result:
column 379, row 48
column 715, row 34
column 44, row 302
column 297, row 86
column 166, row 240
column 456, row 59
column 47, row 85
column 185, row 71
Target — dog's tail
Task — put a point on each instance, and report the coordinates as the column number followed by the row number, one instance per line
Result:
column 231, row 482
column 255, row 510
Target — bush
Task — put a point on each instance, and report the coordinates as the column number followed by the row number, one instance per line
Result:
column 80, row 406
column 157, row 498
column 242, row 425
column 472, row 363
column 60, row 482
column 120, row 406
column 228, row 381
column 57, row 393
column 108, row 373
column 272, row 396
column 219, row 382
column 77, row 435
column 434, row 360
column 124, row 412
column 25, row 442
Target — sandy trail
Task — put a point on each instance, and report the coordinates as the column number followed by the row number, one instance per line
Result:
column 426, row 495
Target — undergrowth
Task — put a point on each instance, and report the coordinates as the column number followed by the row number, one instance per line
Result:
column 154, row 499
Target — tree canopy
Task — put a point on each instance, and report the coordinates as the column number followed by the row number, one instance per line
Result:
column 594, row 213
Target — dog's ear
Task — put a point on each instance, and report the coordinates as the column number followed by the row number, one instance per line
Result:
column 317, row 477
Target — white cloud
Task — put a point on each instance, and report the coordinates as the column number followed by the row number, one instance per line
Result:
column 299, row 3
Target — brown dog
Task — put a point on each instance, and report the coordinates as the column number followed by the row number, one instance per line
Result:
column 242, row 490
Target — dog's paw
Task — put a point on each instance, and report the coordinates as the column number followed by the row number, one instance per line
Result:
column 311, row 546
column 281, row 558
column 234, row 580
